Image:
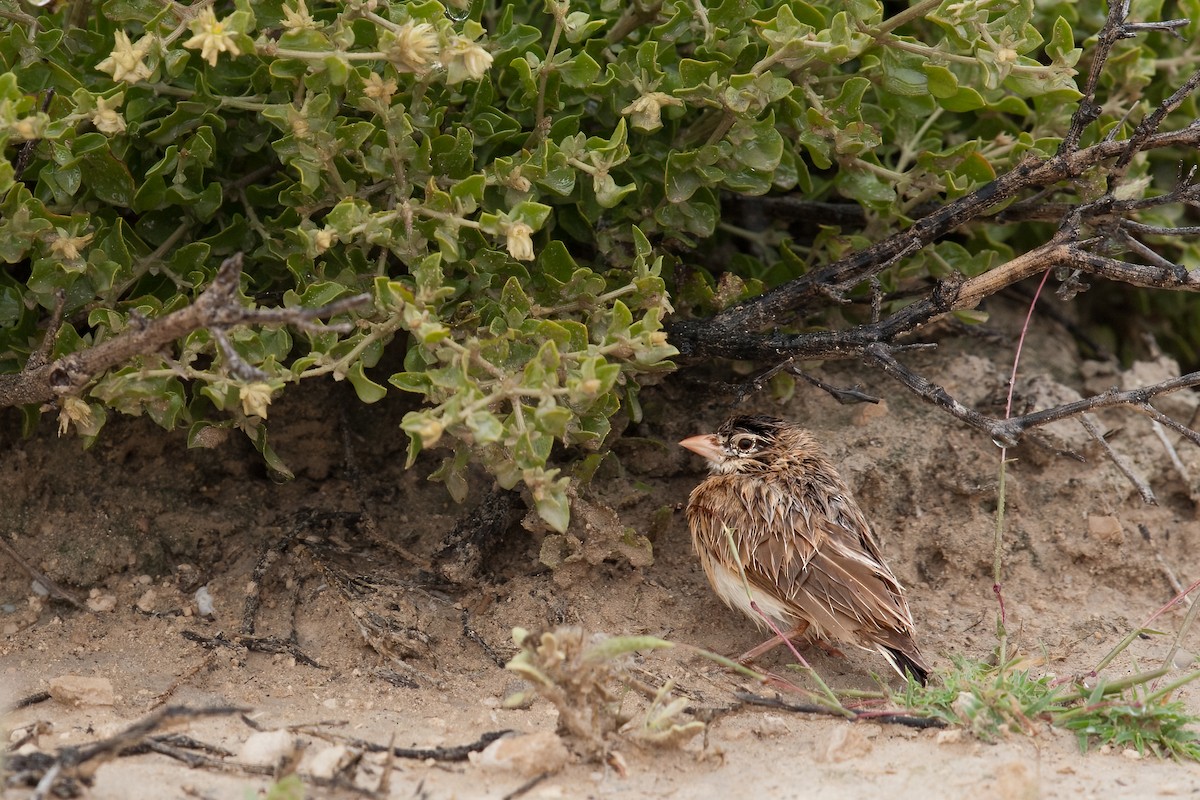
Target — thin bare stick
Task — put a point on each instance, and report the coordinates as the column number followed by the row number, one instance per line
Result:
column 50, row 586
column 1171, row 577
column 1172, row 454
column 1009, row 432
column 217, row 308
column 1122, row 463
column 1178, row 427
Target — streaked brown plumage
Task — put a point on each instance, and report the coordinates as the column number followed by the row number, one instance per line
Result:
column 807, row 553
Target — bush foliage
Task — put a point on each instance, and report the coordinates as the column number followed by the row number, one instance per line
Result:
column 527, row 190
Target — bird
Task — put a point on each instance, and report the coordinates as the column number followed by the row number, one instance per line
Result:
column 776, row 527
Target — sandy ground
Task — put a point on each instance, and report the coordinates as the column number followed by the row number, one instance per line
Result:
column 361, row 573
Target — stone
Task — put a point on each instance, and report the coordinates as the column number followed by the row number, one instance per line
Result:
column 328, row 762
column 82, row 690
column 1107, row 530
column 845, row 743
column 268, row 748
column 529, row 754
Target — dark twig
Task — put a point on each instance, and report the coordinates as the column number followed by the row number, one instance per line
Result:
column 30, row 700
column 1008, row 432
column 236, row 365
column 526, row 787
column 1088, row 110
column 1163, row 419
column 842, row 395
column 218, row 307
column 39, row 357
column 270, row 554
column 906, row 720
column 1150, row 125
column 271, row 645
column 82, row 761
column 455, row 753
column 473, row 635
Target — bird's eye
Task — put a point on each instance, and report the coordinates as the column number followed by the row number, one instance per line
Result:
column 744, row 444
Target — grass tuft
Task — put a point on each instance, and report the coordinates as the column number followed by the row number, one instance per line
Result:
column 992, row 701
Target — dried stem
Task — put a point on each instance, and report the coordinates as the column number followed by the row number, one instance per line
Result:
column 1008, row 432
column 217, row 309
column 1089, row 424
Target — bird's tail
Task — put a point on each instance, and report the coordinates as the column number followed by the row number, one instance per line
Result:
column 907, row 662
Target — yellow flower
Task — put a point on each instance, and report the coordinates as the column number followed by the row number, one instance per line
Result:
column 29, row 128
column 67, row 247
column 646, row 112
column 378, row 89
column 465, row 60
column 125, row 61
column 298, row 19
column 519, row 243
column 411, row 47
column 211, row 37
column 77, row 412
column 255, row 398
column 323, row 240
column 105, row 117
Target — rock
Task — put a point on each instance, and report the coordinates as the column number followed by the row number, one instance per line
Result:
column 846, row 742
column 1107, row 530
column 949, row 736
column 80, row 690
column 329, row 762
column 268, row 748
column 530, row 754
column 204, row 602
column 99, row 601
column 147, row 601
column 771, row 725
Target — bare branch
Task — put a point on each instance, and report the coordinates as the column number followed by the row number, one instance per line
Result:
column 1175, row 425
column 1008, row 432
column 739, row 331
column 217, row 308
column 1147, row 494
column 39, row 357
column 1172, row 454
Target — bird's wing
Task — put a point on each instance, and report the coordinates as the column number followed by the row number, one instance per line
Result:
column 779, row 533
column 807, row 545
column 823, row 557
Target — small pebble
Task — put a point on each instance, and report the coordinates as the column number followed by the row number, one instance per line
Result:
column 531, row 754
column 81, row 690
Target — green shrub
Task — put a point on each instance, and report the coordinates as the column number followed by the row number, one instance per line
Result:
column 521, row 187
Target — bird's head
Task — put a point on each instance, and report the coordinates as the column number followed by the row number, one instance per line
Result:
column 745, row 445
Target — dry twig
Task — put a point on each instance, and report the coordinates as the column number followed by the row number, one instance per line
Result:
column 1089, row 233
column 216, row 309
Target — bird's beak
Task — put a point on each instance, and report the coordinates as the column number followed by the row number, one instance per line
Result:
column 704, row 445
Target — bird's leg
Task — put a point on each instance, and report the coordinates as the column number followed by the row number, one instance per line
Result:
column 770, row 644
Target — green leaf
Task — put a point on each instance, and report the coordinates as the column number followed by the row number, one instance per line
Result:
column 108, row 177
column 367, row 390
column 553, row 504
column 580, row 71
column 258, row 436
